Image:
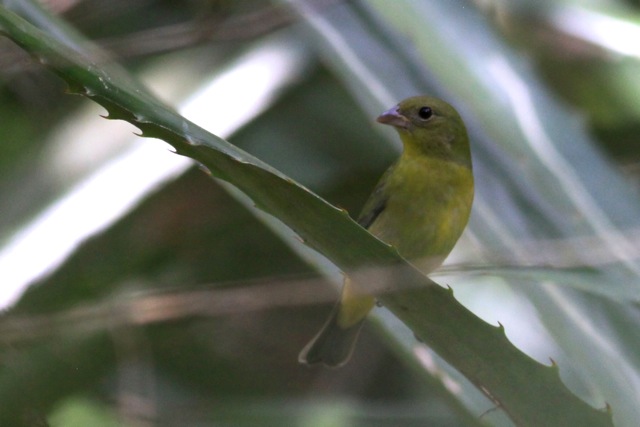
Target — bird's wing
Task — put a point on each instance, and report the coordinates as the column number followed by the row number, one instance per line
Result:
column 372, row 209
column 377, row 202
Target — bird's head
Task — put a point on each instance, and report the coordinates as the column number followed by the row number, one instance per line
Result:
column 430, row 125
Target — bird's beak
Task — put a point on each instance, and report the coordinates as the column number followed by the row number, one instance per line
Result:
column 393, row 117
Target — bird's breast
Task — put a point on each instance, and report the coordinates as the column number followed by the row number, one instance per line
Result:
column 428, row 207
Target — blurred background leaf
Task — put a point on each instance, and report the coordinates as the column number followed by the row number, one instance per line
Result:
column 552, row 251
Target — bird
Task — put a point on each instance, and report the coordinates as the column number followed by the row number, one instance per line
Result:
column 420, row 206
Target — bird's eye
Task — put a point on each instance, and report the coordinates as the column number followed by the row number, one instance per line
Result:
column 425, row 112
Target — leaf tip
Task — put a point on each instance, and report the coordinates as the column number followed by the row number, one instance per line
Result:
column 204, row 169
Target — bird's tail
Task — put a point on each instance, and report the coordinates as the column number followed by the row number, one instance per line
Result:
column 333, row 345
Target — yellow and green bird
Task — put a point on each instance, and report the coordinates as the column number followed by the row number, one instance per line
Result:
column 420, row 206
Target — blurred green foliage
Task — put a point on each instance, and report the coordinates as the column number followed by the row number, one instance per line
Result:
column 64, row 364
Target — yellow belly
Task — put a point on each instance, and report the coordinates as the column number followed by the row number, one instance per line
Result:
column 428, row 207
column 423, row 217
